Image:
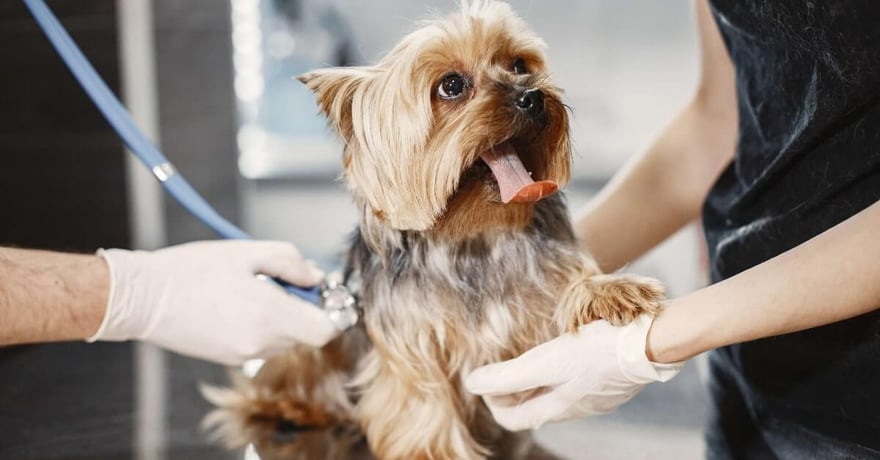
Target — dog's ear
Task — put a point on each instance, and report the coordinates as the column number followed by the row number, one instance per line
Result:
column 334, row 88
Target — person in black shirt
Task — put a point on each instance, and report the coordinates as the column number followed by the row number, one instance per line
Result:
column 779, row 151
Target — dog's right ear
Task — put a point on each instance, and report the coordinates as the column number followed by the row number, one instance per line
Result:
column 335, row 88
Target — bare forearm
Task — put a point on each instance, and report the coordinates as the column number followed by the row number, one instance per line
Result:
column 831, row 277
column 660, row 191
column 49, row 296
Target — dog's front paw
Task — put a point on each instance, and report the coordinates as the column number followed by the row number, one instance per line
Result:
column 619, row 298
column 616, row 298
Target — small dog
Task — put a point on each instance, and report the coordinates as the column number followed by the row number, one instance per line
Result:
column 455, row 143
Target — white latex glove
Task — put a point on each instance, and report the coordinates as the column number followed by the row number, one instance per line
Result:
column 203, row 300
column 575, row 375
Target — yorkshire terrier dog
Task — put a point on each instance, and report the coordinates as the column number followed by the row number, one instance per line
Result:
column 455, row 144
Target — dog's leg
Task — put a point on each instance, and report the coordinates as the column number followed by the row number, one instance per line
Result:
column 617, row 298
column 412, row 414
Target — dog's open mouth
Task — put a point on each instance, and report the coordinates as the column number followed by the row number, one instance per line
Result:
column 515, row 182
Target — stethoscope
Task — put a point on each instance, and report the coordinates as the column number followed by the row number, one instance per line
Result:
column 332, row 295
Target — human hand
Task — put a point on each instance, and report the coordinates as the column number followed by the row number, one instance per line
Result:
column 575, row 375
column 203, row 300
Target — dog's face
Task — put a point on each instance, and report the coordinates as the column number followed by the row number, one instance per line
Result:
column 458, row 127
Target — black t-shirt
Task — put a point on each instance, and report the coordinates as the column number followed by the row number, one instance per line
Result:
column 808, row 157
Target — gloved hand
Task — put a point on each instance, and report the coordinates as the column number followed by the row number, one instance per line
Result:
column 203, row 300
column 575, row 375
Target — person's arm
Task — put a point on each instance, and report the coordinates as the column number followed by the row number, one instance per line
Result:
column 199, row 299
column 661, row 190
column 49, row 296
column 831, row 277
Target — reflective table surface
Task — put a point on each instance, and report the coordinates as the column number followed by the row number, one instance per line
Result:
column 121, row 401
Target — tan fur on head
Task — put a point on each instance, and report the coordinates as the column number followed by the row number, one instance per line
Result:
column 394, row 125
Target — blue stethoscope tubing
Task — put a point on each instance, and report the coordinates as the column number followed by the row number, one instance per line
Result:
column 115, row 114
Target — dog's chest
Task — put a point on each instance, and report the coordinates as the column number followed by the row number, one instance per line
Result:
column 467, row 304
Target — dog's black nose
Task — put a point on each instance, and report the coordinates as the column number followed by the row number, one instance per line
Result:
column 531, row 101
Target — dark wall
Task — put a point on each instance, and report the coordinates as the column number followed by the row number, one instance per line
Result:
column 62, row 179
column 197, row 106
column 62, row 186
column 62, row 169
column 198, row 127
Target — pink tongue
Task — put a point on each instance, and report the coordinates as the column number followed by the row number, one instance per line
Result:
column 513, row 180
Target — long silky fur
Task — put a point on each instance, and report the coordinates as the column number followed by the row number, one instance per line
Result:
column 435, row 311
column 448, row 276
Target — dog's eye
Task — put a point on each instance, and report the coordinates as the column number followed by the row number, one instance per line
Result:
column 519, row 67
column 452, row 86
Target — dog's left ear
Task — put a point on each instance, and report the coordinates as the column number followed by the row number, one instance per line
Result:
column 334, row 88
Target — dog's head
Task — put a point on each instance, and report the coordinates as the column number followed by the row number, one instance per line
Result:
column 457, row 128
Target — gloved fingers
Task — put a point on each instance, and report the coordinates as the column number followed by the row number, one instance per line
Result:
column 563, row 402
column 315, row 332
column 526, row 414
column 513, row 399
column 294, row 271
column 283, row 249
column 280, row 259
column 598, row 403
column 543, row 366
column 295, row 320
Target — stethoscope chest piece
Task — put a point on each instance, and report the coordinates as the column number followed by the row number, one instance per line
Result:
column 338, row 302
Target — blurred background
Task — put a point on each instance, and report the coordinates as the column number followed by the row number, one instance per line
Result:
column 211, row 82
